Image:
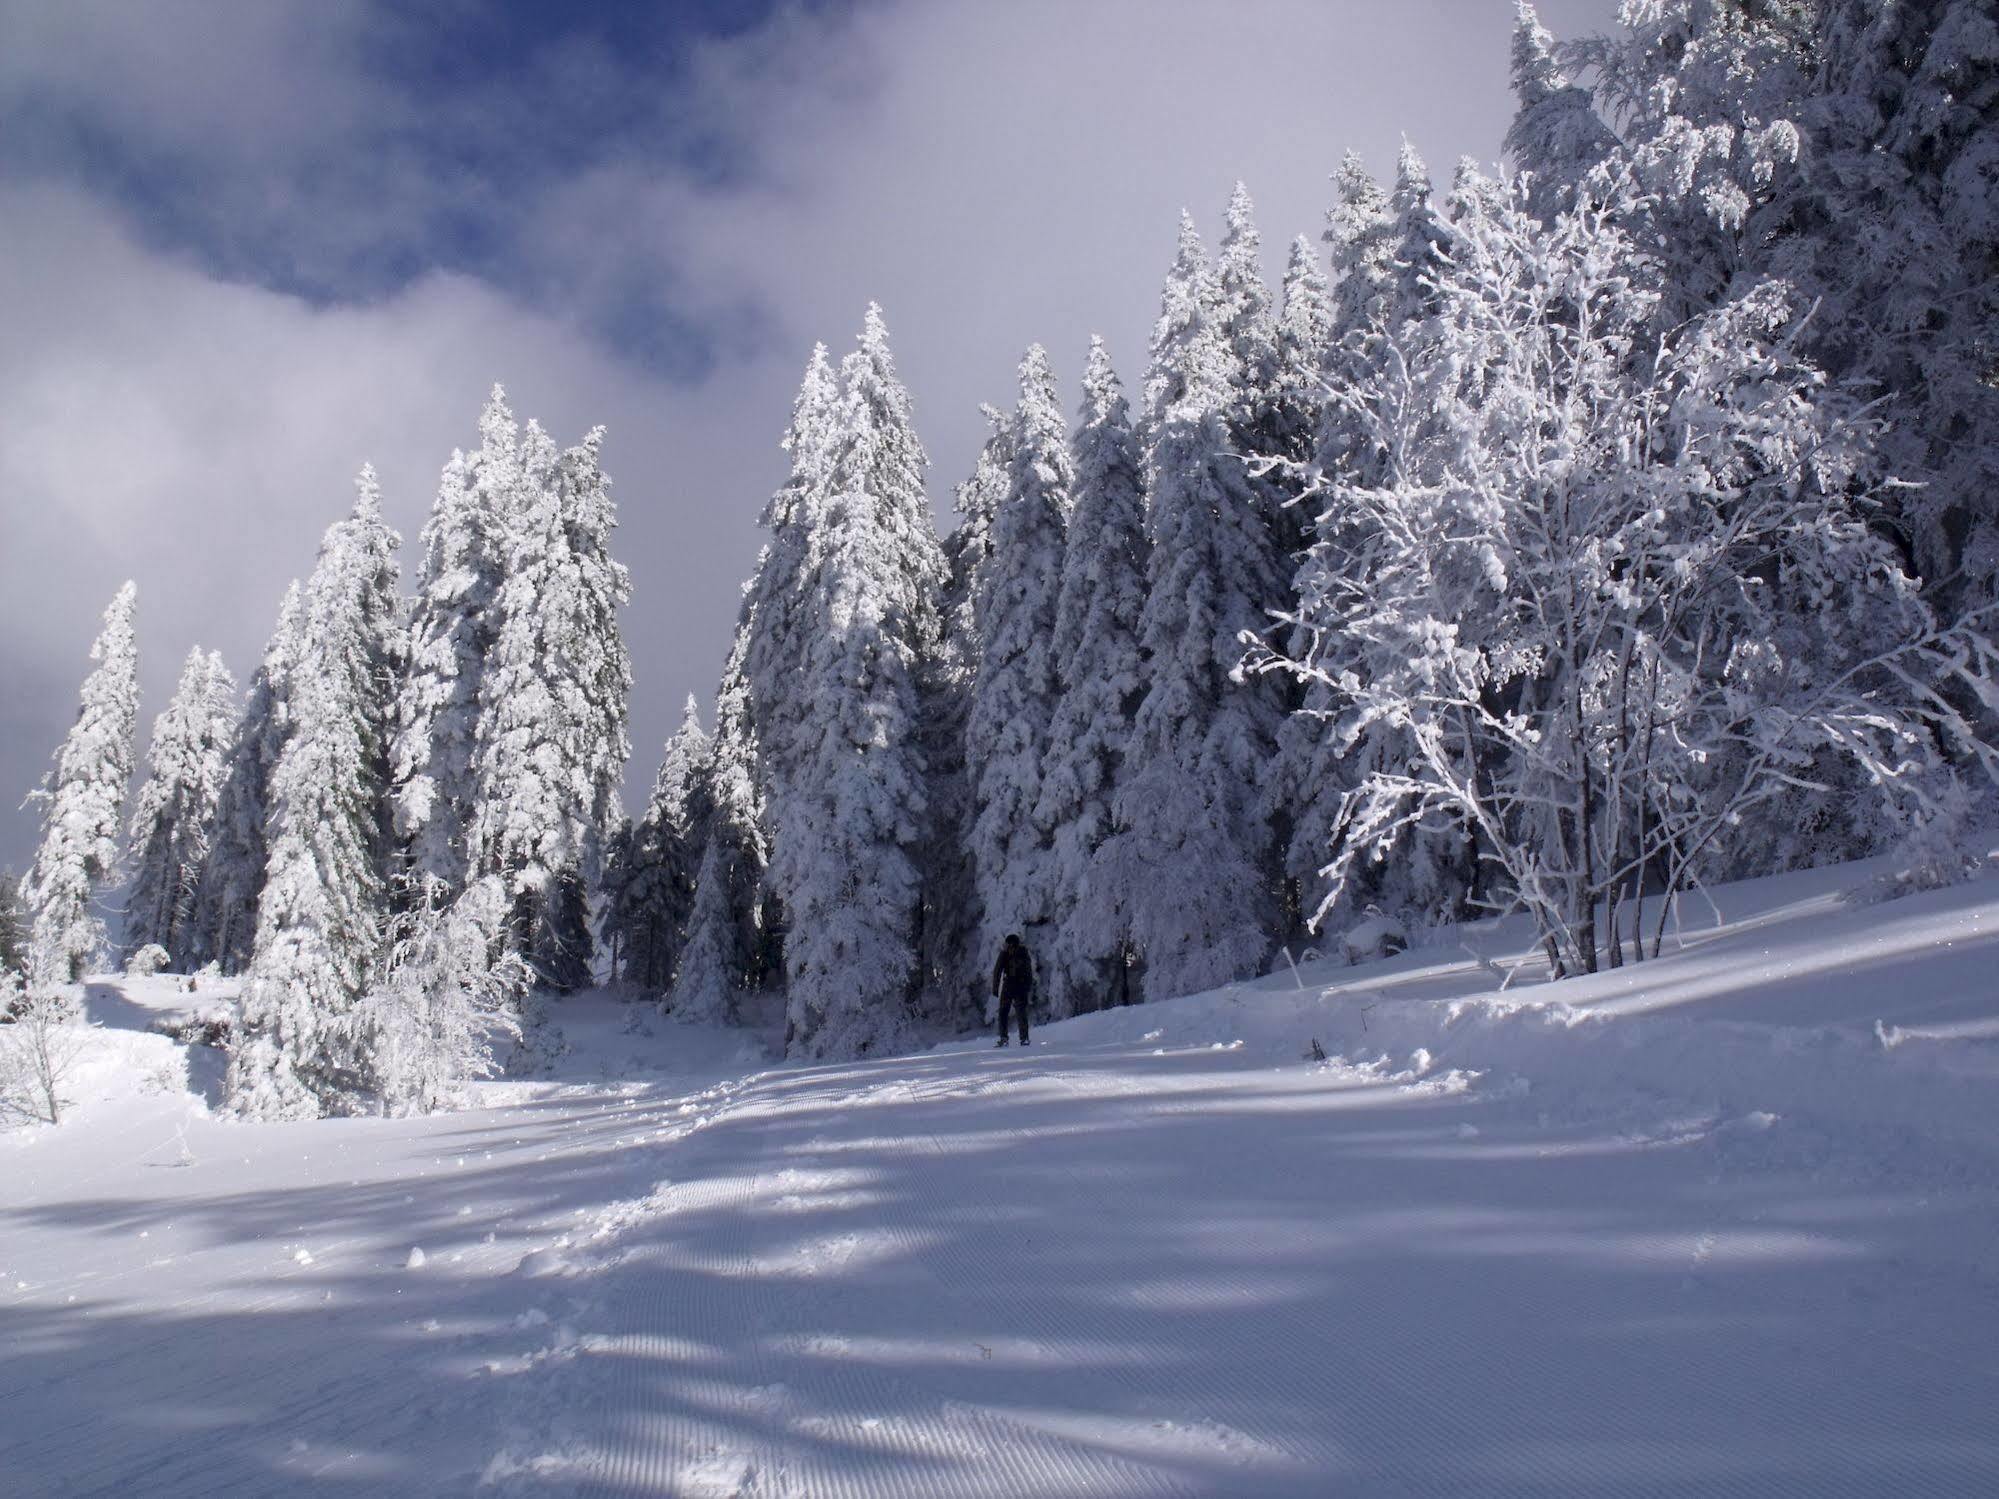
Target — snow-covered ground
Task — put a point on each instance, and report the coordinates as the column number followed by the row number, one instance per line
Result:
column 1721, row 1224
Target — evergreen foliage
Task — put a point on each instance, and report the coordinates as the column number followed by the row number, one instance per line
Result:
column 1100, row 670
column 173, row 822
column 322, row 915
column 224, row 930
column 1014, row 689
column 467, row 544
column 82, row 801
column 849, row 808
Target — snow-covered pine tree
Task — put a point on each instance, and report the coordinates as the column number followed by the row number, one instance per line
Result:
column 1101, row 673
column 173, row 820
column 83, row 803
column 728, row 946
column 232, row 875
column 1186, row 311
column 453, row 629
column 1304, row 340
column 1897, row 241
column 552, row 743
column 777, row 603
column 848, row 807
column 1014, row 689
column 1193, row 861
column 648, row 919
column 322, row 915
column 13, row 925
column 952, row 971
column 729, row 942
column 1557, row 138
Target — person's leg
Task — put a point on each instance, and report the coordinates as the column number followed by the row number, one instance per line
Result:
column 1023, row 1019
column 1004, row 1002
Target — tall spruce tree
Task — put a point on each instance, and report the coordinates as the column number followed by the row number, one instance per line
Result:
column 173, row 822
column 730, row 934
column 952, row 970
column 82, row 801
column 848, row 801
column 453, row 630
column 728, row 938
column 1014, row 691
column 1193, row 859
column 232, row 874
column 552, row 742
column 1101, row 671
column 13, row 925
column 649, row 916
column 323, row 912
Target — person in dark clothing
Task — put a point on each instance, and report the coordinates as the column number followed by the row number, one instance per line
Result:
column 1013, row 984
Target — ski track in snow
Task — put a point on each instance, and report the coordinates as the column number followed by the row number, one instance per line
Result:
column 1693, row 1228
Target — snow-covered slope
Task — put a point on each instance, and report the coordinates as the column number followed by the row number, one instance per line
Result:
column 1722, row 1224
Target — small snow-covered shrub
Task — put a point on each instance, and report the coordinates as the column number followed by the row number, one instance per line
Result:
column 147, row 961
column 210, row 1025
column 1375, row 935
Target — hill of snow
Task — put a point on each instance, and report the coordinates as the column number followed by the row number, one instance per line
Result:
column 1720, row 1224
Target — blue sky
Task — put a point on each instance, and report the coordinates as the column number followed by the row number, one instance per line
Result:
column 251, row 244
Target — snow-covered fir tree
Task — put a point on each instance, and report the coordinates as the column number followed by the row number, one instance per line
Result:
column 952, row 968
column 1101, row 673
column 848, row 802
column 777, row 606
column 454, row 627
column 321, row 919
column 1900, row 216
column 173, row 820
column 729, row 938
column 13, row 925
column 552, row 743
column 1193, row 860
column 224, row 930
column 728, row 946
column 648, row 916
column 1557, row 138
column 1014, row 689
column 83, row 802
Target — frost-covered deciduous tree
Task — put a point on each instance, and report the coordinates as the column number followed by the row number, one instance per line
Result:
column 848, row 803
column 1191, row 869
column 173, row 821
column 454, row 627
column 429, row 1026
column 1014, row 689
column 648, row 917
column 232, row 875
column 1612, row 593
column 1100, row 670
column 322, row 915
column 552, row 744
column 83, row 802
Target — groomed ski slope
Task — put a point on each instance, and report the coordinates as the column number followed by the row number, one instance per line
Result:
column 1723, row 1224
